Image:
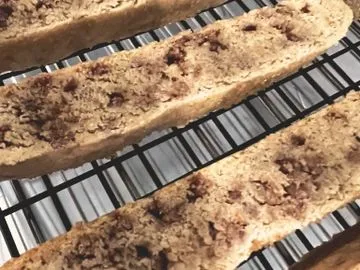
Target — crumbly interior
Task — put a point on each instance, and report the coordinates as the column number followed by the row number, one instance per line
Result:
column 17, row 16
column 216, row 217
column 115, row 93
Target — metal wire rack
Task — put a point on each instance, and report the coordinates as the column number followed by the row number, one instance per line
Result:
column 32, row 212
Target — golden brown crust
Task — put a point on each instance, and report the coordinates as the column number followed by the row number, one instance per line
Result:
column 33, row 34
column 91, row 110
column 346, row 257
column 216, row 217
column 340, row 253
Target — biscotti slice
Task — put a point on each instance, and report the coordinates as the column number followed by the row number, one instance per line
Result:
column 355, row 6
column 61, row 120
column 216, row 217
column 340, row 253
column 36, row 32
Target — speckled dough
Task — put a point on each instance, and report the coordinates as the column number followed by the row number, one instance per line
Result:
column 215, row 218
column 63, row 119
column 35, row 32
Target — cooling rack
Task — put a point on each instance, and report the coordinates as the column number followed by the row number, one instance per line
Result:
column 36, row 210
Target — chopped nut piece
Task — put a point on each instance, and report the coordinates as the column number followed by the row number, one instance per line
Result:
column 71, row 85
column 5, row 12
column 250, row 28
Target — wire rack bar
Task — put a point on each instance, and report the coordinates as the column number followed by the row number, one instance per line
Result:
column 286, row 253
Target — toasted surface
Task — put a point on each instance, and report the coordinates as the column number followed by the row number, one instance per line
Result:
column 35, row 32
column 214, row 218
column 61, row 120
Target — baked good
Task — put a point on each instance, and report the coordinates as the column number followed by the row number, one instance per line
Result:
column 355, row 5
column 61, row 120
column 214, row 218
column 340, row 253
column 37, row 32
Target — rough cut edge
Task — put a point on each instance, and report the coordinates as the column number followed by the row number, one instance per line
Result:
column 54, row 42
column 180, row 114
column 320, row 133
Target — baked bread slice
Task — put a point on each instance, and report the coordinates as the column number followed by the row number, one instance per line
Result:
column 214, row 218
column 355, row 6
column 61, row 120
column 37, row 32
column 340, row 253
